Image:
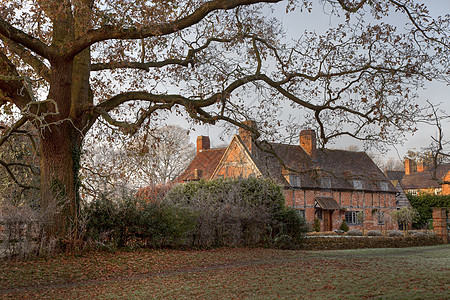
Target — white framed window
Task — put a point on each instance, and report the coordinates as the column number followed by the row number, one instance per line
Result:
column 357, row 184
column 325, row 182
column 412, row 192
column 383, row 185
column 438, row 191
column 351, row 217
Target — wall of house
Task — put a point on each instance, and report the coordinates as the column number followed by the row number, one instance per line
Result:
column 370, row 203
column 236, row 164
column 446, row 187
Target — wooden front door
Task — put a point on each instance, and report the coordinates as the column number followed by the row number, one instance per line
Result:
column 327, row 220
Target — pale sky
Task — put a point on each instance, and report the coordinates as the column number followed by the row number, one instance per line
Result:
column 436, row 93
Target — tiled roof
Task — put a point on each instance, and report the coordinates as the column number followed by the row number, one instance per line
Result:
column 339, row 166
column 278, row 160
column 205, row 161
column 395, row 175
column 425, row 180
column 327, row 203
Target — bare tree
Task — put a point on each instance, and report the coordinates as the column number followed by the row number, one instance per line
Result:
column 151, row 157
column 125, row 62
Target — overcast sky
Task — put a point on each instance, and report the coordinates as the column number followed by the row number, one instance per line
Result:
column 295, row 23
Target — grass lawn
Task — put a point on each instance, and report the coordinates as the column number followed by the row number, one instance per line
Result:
column 234, row 273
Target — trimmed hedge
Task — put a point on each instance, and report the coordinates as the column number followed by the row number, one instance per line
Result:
column 339, row 242
column 424, row 204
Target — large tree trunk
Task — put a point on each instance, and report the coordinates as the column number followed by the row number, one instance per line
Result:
column 58, row 184
column 59, row 141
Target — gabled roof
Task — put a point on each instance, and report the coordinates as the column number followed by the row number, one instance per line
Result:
column 277, row 161
column 205, row 161
column 327, row 203
column 424, row 179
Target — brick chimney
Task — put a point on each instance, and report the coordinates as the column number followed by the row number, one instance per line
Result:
column 421, row 166
column 202, row 143
column 246, row 135
column 408, row 166
column 308, row 142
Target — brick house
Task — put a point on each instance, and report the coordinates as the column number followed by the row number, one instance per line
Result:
column 329, row 185
column 420, row 178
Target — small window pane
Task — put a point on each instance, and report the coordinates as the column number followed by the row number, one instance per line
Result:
column 357, row 184
column 325, row 183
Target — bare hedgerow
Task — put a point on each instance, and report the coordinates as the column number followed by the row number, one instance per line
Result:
column 235, row 211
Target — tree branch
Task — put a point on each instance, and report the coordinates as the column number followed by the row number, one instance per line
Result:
column 18, row 36
column 110, row 32
column 13, row 177
column 26, row 55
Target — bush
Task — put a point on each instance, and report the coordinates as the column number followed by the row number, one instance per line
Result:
column 344, row 226
column 291, row 224
column 424, row 203
column 373, row 233
column 129, row 222
column 316, row 225
column 237, row 212
column 354, row 233
column 395, row 233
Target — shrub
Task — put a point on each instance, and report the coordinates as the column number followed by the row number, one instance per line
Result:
column 237, row 211
column 291, row 224
column 395, row 233
column 129, row 221
column 344, row 226
column 373, row 233
column 354, row 233
column 316, row 225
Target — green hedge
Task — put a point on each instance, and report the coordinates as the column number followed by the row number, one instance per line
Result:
column 131, row 222
column 224, row 212
column 424, row 204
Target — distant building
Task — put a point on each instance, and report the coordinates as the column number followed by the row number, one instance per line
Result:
column 330, row 185
column 420, row 178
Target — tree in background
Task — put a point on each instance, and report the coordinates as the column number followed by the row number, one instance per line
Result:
column 405, row 216
column 68, row 65
column 151, row 157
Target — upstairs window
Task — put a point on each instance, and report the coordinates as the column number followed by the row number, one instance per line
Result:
column 325, row 182
column 295, row 181
column 357, row 184
column 412, row 192
column 384, row 185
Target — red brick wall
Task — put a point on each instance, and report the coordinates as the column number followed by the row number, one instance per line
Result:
column 237, row 164
column 351, row 201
